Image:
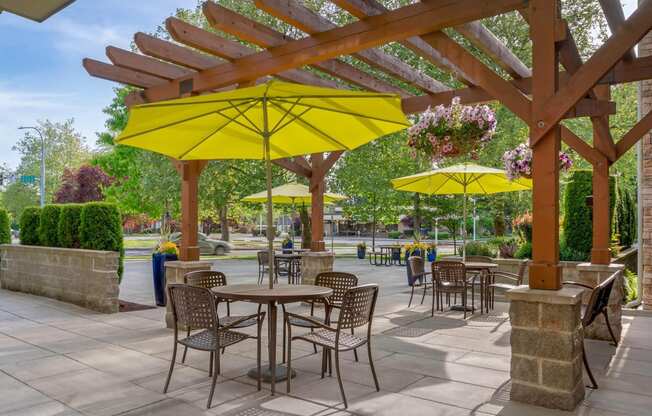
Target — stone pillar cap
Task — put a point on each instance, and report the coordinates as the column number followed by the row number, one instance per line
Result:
column 565, row 296
column 613, row 267
column 179, row 264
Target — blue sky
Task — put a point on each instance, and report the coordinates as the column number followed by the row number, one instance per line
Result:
column 40, row 64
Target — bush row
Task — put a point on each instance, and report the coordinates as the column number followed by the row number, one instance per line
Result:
column 5, row 231
column 91, row 226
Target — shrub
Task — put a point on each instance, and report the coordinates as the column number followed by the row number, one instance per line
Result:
column 524, row 251
column 68, row 228
column 567, row 253
column 506, row 246
column 443, row 235
column 630, row 288
column 48, row 229
column 5, row 232
column 523, row 224
column 100, row 228
column 394, row 235
column 625, row 217
column 29, row 226
column 478, row 248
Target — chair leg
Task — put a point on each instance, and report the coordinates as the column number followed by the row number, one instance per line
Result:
column 210, row 365
column 289, row 362
column 411, row 296
column 432, row 309
column 371, row 364
column 174, row 358
column 594, row 384
column 323, row 362
column 611, row 332
column 185, row 349
column 425, row 288
column 216, row 356
column 463, row 296
column 355, row 351
column 339, row 377
column 259, row 381
column 285, row 324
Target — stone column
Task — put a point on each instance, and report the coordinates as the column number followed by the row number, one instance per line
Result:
column 593, row 275
column 174, row 272
column 645, row 183
column 546, row 340
column 315, row 262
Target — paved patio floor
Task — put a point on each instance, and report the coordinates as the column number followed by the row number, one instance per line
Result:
column 59, row 359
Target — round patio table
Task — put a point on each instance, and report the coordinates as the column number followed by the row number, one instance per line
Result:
column 484, row 270
column 271, row 297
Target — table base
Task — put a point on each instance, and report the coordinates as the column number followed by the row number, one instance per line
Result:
column 281, row 373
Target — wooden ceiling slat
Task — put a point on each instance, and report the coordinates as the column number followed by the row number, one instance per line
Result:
column 213, row 44
column 301, row 17
column 247, row 29
column 126, row 59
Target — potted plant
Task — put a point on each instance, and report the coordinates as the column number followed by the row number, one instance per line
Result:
column 432, row 252
column 287, row 245
column 164, row 251
column 362, row 250
column 518, row 162
column 450, row 131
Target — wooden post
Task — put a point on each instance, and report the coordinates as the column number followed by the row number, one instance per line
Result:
column 600, row 253
column 190, row 171
column 545, row 271
column 317, row 188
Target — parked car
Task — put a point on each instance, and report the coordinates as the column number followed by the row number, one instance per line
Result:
column 206, row 245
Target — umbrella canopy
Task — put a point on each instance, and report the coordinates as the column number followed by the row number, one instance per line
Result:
column 268, row 121
column 464, row 179
column 291, row 194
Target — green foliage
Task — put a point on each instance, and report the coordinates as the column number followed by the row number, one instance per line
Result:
column 630, row 288
column 478, row 248
column 68, row 227
column 506, row 246
column 567, row 253
column 394, row 235
column 49, row 225
column 524, row 251
column 100, row 228
column 625, row 216
column 443, row 235
column 5, row 232
column 29, row 226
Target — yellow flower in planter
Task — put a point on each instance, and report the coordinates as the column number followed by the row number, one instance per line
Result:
column 167, row 247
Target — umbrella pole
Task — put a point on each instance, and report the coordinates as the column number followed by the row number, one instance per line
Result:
column 464, row 228
column 270, row 217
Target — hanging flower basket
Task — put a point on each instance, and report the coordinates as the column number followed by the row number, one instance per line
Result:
column 452, row 131
column 518, row 162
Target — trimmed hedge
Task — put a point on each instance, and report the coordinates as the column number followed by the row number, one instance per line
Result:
column 100, row 228
column 68, row 227
column 524, row 251
column 48, row 226
column 5, row 231
column 29, row 226
column 394, row 235
column 578, row 228
column 625, row 217
column 478, row 248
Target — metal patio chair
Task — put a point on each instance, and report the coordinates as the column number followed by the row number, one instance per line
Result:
column 417, row 267
column 598, row 302
column 357, row 311
column 195, row 308
column 512, row 280
column 449, row 278
column 263, row 266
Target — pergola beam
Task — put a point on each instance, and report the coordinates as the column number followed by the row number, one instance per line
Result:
column 122, row 75
column 294, row 166
column 168, row 51
column 415, row 19
column 235, row 24
column 145, row 64
column 213, row 44
column 605, row 58
column 615, row 15
column 301, row 17
column 630, row 138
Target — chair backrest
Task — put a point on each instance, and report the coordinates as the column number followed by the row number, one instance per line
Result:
column 340, row 282
column 522, row 268
column 263, row 257
column 453, row 272
column 417, row 265
column 193, row 307
column 358, row 307
column 452, row 258
column 205, row 278
column 479, row 259
column 598, row 301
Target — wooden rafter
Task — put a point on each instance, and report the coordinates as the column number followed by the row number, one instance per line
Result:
column 615, row 15
column 605, row 58
column 398, row 24
column 122, row 75
column 301, row 17
column 244, row 28
column 639, row 130
column 145, row 64
column 168, row 51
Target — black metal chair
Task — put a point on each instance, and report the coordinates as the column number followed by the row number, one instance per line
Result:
column 195, row 308
column 209, row 279
column 263, row 266
column 510, row 281
column 449, row 278
column 340, row 282
column 417, row 267
column 357, row 310
column 598, row 302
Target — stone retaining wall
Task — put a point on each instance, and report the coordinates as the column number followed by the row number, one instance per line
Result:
column 87, row 278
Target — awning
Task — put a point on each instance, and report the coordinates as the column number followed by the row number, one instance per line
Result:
column 37, row 10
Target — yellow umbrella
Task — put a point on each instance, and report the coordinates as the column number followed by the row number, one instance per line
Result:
column 463, row 179
column 268, row 121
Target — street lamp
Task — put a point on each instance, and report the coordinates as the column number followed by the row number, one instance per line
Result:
column 42, row 180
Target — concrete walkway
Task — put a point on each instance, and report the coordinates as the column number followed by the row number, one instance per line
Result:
column 58, row 359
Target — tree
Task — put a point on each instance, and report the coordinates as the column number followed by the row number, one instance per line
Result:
column 85, row 184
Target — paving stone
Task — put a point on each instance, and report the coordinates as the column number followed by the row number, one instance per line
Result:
column 392, row 404
column 121, row 362
column 42, row 367
column 17, row 396
column 453, row 393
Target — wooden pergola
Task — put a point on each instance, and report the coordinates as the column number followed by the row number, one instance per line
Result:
column 201, row 61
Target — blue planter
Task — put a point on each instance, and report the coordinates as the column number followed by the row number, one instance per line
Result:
column 287, row 247
column 411, row 280
column 361, row 253
column 158, row 273
column 432, row 255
